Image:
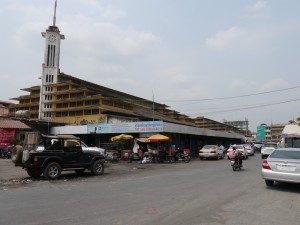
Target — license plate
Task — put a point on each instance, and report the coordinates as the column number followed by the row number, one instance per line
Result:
column 206, row 155
column 286, row 168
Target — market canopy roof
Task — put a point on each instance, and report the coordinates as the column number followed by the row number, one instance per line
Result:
column 121, row 137
column 158, row 137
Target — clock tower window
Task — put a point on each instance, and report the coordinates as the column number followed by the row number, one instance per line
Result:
column 51, row 56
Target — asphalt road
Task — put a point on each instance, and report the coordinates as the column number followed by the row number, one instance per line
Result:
column 201, row 192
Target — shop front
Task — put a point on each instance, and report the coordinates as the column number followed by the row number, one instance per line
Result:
column 187, row 138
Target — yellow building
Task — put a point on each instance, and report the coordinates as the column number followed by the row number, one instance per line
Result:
column 76, row 101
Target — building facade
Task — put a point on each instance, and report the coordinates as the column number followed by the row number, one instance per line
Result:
column 274, row 132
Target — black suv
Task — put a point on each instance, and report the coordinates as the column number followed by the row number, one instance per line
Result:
column 50, row 155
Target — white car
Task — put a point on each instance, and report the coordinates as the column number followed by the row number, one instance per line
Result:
column 240, row 148
column 211, row 151
column 267, row 149
column 283, row 165
column 249, row 149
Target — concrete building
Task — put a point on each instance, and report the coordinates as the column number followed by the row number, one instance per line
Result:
column 274, row 132
column 4, row 110
column 241, row 125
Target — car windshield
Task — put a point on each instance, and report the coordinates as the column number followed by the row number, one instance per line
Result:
column 84, row 144
column 270, row 145
column 257, row 144
column 285, row 154
column 209, row 147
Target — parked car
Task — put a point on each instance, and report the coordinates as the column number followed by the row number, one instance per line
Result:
column 267, row 149
column 61, row 152
column 211, row 152
column 241, row 148
column 249, row 149
column 282, row 165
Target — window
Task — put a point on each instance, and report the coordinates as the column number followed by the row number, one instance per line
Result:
column 76, row 113
column 62, row 105
column 72, row 146
column 63, row 88
column 61, row 114
column 76, row 104
column 285, row 154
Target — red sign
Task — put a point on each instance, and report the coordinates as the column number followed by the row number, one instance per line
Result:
column 6, row 136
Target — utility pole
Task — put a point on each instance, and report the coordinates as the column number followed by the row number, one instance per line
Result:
column 153, row 105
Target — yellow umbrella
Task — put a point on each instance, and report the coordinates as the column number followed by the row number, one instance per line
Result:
column 158, row 137
column 121, row 137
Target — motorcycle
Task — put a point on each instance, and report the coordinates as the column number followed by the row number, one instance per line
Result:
column 235, row 164
column 180, row 157
column 6, row 154
column 147, row 159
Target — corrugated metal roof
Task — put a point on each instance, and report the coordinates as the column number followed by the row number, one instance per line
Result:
column 13, row 124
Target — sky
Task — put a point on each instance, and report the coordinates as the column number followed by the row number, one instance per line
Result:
column 224, row 60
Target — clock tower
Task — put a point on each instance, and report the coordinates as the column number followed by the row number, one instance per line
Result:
column 50, row 68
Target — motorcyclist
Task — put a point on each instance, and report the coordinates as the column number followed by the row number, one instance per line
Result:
column 237, row 154
column 178, row 154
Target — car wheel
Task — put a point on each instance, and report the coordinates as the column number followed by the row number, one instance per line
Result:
column 97, row 168
column 201, row 158
column 34, row 173
column 269, row 183
column 17, row 153
column 52, row 171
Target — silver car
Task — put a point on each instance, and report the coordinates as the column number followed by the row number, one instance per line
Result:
column 211, row 151
column 282, row 165
column 249, row 149
column 267, row 149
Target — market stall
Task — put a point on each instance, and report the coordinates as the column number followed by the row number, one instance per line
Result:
column 159, row 148
column 124, row 144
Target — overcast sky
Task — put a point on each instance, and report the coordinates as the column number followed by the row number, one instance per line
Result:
column 179, row 51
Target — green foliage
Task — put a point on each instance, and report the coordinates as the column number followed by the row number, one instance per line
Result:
column 17, row 142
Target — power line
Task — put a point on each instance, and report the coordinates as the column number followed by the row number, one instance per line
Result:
column 231, row 97
column 245, row 108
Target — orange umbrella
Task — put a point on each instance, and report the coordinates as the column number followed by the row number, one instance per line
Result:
column 121, row 137
column 158, row 137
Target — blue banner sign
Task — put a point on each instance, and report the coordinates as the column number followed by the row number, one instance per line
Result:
column 134, row 127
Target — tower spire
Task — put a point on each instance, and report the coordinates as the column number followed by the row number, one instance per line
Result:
column 54, row 17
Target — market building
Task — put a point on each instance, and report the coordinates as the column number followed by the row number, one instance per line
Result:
column 87, row 108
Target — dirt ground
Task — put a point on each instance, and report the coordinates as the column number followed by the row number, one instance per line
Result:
column 11, row 175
